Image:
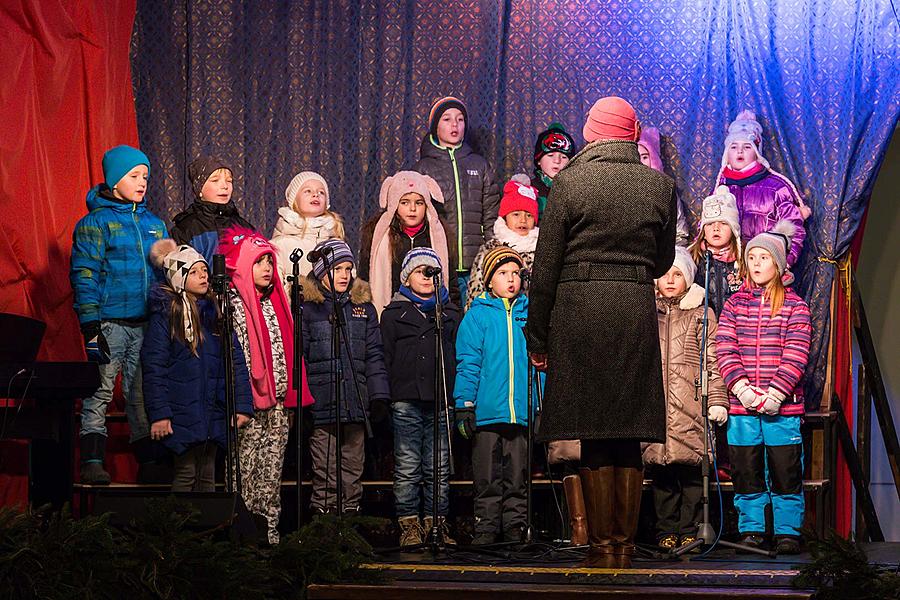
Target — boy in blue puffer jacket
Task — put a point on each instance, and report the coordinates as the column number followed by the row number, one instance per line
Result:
column 111, row 277
column 491, row 396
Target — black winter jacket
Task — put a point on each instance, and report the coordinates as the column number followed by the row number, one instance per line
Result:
column 200, row 224
column 470, row 213
column 409, row 349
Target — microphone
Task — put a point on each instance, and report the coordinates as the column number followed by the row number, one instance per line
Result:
column 317, row 255
column 219, row 275
column 296, row 255
column 431, row 271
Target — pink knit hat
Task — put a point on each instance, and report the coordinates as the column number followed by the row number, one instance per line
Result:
column 611, row 118
column 650, row 141
column 242, row 247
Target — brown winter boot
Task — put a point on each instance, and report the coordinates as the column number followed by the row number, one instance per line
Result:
column 629, row 484
column 599, row 502
column 442, row 526
column 411, row 533
column 577, row 511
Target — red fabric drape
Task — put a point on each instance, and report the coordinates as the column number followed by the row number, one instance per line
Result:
column 843, row 385
column 65, row 97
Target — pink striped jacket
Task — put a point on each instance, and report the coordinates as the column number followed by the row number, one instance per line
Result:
column 766, row 350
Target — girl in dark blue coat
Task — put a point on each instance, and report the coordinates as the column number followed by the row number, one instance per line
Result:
column 184, row 378
column 358, row 313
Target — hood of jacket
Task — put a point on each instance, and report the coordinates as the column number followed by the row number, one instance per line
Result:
column 100, row 196
column 315, row 292
column 291, row 223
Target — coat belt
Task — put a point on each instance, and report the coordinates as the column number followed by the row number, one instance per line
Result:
column 589, row 271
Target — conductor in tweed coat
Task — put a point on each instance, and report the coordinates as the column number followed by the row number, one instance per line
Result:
column 607, row 232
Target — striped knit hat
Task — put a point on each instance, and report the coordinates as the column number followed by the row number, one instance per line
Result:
column 496, row 258
column 415, row 258
column 442, row 106
column 337, row 252
column 776, row 242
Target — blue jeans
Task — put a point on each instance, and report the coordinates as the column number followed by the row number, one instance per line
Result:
column 413, row 458
column 767, row 467
column 124, row 355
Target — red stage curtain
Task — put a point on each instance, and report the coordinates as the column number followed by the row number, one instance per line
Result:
column 65, row 97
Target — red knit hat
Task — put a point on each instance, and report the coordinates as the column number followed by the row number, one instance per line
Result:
column 518, row 196
column 611, row 118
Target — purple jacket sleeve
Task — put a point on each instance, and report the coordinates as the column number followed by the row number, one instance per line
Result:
column 787, row 207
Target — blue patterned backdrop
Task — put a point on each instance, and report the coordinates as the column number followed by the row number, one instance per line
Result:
column 344, row 87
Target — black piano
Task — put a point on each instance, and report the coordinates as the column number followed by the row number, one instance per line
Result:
column 38, row 404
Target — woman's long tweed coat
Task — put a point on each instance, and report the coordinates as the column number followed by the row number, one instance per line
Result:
column 608, row 230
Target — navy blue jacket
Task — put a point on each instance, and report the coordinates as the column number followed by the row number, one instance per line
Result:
column 409, row 349
column 111, row 273
column 188, row 389
column 365, row 342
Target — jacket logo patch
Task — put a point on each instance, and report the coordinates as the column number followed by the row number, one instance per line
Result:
column 473, row 172
column 359, row 312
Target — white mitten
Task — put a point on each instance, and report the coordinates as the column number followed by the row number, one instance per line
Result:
column 718, row 414
column 772, row 405
column 750, row 396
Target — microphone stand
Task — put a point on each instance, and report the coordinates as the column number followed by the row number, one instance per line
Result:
column 297, row 313
column 226, row 335
column 706, row 535
column 338, row 333
column 440, row 402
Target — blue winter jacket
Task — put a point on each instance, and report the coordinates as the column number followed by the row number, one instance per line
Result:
column 188, row 389
column 365, row 344
column 490, row 354
column 111, row 274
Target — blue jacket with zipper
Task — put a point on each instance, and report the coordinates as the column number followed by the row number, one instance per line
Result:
column 492, row 361
column 111, row 273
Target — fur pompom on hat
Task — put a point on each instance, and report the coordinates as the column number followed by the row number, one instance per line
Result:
column 776, row 242
column 160, row 249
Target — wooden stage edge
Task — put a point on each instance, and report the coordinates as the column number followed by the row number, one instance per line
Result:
column 469, row 576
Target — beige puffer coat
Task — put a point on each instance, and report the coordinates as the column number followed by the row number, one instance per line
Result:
column 680, row 337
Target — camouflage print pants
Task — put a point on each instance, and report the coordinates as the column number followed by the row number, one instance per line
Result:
column 262, row 443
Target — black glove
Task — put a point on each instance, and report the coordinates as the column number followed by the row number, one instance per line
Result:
column 465, row 422
column 379, row 411
column 95, row 345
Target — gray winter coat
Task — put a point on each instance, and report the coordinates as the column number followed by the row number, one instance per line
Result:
column 471, row 196
column 607, row 231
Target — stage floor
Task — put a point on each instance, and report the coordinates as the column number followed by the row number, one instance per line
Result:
column 549, row 573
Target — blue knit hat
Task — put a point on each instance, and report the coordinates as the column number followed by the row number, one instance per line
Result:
column 337, row 251
column 118, row 161
column 415, row 258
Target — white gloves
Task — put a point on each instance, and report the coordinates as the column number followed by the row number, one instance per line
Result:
column 750, row 396
column 772, row 404
column 718, row 414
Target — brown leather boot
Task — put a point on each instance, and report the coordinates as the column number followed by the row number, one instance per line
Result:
column 577, row 511
column 599, row 501
column 629, row 484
